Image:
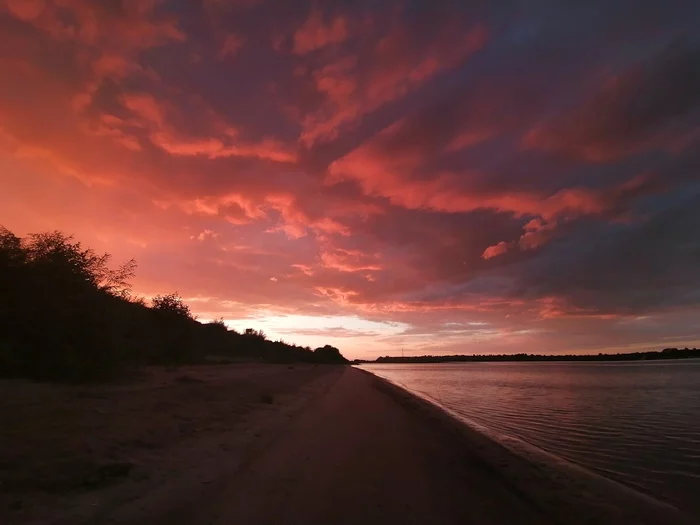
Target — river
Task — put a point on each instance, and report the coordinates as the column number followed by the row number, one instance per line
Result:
column 635, row 422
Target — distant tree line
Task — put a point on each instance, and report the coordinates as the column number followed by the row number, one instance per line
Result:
column 667, row 353
column 66, row 314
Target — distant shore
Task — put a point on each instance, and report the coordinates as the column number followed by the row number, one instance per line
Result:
column 259, row 444
column 667, row 353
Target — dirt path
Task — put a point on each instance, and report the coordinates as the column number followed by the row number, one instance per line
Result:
column 356, row 456
column 130, row 451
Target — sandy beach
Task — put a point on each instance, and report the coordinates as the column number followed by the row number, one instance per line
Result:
column 264, row 444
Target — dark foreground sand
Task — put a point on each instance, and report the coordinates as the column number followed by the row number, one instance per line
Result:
column 315, row 445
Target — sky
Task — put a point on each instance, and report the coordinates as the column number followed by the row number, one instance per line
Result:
column 421, row 176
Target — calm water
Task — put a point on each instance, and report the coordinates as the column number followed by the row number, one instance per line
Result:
column 637, row 422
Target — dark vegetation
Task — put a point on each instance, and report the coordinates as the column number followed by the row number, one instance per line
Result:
column 667, row 353
column 66, row 314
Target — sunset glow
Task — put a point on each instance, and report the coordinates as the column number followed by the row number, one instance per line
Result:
column 375, row 176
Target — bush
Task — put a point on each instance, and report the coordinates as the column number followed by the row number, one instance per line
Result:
column 329, row 354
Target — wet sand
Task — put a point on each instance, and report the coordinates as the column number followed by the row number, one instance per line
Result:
column 344, row 447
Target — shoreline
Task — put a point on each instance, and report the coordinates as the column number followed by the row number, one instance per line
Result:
column 336, row 445
column 668, row 354
column 552, row 483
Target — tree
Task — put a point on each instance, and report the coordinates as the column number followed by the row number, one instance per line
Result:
column 118, row 282
column 171, row 304
column 11, row 251
column 66, row 315
column 58, row 307
column 329, row 354
column 58, row 257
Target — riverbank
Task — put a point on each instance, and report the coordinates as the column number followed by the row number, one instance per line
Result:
column 320, row 445
column 123, row 452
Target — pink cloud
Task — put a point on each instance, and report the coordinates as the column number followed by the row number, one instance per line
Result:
column 209, row 147
column 553, row 307
column 536, row 233
column 134, row 26
column 336, row 81
column 235, row 208
column 219, row 5
column 357, row 85
column 223, row 142
column 109, row 39
column 232, row 44
column 315, row 33
column 112, row 65
column 390, row 165
column 296, row 221
column 111, row 126
column 306, row 269
column 146, row 108
column 26, row 10
column 384, row 175
column 342, row 296
column 350, row 260
column 496, row 250
column 629, row 113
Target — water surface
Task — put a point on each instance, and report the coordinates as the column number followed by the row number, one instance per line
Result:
column 636, row 422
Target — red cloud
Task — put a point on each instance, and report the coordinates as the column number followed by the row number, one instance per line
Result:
column 107, row 65
column 111, row 126
column 236, row 208
column 232, row 44
column 209, row 147
column 219, row 5
column 145, row 107
column 342, row 296
column 223, row 141
column 336, row 80
column 350, row 260
column 552, row 307
column 26, row 10
column 109, row 38
column 382, row 174
column 296, row 221
column 496, row 250
column 396, row 65
column 536, row 234
column 629, row 113
column 316, row 33
column 132, row 26
column 386, row 167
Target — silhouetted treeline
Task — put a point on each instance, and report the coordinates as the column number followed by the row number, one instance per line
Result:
column 66, row 314
column 668, row 353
